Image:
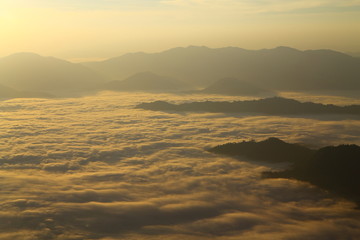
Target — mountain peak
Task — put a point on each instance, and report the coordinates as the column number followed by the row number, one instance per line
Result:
column 281, row 50
column 286, row 48
column 23, row 55
column 197, row 47
column 273, row 140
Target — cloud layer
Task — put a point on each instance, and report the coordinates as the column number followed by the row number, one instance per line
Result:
column 95, row 168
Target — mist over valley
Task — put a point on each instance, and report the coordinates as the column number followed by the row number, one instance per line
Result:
column 97, row 167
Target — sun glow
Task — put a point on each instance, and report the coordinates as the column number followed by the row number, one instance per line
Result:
column 102, row 29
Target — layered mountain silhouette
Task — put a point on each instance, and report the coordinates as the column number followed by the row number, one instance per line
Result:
column 336, row 169
column 32, row 72
column 280, row 68
column 272, row 106
column 236, row 87
column 148, row 82
column 269, row 150
column 7, row 92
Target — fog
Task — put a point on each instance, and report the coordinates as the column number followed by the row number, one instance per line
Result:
column 96, row 168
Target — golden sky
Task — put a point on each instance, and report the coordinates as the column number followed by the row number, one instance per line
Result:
column 96, row 29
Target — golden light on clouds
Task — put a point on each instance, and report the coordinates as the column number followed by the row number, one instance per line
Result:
column 93, row 168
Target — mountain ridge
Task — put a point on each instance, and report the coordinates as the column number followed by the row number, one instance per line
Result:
column 281, row 68
column 271, row 106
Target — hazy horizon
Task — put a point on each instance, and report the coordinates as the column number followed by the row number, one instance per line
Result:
column 99, row 59
column 101, row 29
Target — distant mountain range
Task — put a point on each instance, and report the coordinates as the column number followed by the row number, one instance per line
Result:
column 280, row 68
column 31, row 72
column 148, row 82
column 336, row 169
column 272, row 106
column 241, row 72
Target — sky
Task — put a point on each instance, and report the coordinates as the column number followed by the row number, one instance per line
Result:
column 96, row 29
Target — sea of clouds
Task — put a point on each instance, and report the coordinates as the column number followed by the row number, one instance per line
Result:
column 96, row 168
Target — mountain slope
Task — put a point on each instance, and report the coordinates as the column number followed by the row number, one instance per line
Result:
column 234, row 87
column 7, row 92
column 31, row 72
column 336, row 169
column 146, row 81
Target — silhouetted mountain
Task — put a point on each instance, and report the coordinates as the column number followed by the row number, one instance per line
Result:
column 281, row 68
column 146, row 81
column 31, row 72
column 269, row 150
column 7, row 92
column 273, row 106
column 233, row 86
column 336, row 169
